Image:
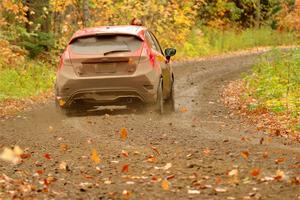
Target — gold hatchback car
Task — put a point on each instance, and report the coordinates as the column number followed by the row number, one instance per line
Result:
column 114, row 65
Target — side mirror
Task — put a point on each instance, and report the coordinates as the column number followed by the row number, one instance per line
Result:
column 169, row 52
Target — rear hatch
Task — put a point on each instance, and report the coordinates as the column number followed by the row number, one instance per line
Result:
column 105, row 55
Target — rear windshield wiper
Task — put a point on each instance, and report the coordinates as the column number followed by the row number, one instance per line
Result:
column 116, row 51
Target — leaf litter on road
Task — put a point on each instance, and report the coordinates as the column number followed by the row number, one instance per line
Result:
column 12, row 155
column 165, row 184
column 123, row 134
column 125, row 168
column 95, row 157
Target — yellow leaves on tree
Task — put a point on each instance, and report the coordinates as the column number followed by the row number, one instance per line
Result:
column 61, row 5
column 17, row 8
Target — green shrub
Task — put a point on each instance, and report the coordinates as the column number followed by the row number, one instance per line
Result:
column 275, row 81
column 27, row 80
column 37, row 43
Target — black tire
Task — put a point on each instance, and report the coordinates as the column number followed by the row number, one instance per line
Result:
column 170, row 103
column 160, row 98
column 171, row 100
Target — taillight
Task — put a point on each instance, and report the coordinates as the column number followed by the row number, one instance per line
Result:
column 152, row 58
column 147, row 53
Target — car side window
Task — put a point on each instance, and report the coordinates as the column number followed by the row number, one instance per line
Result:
column 156, row 43
column 151, row 41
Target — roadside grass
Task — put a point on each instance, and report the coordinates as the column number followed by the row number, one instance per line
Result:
column 213, row 41
column 270, row 95
column 30, row 78
column 275, row 82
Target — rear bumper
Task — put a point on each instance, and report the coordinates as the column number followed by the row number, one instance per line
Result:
column 107, row 89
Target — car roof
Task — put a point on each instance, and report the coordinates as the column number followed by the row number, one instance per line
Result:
column 125, row 29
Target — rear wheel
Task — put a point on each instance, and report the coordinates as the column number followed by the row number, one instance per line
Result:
column 62, row 110
column 160, row 98
column 170, row 103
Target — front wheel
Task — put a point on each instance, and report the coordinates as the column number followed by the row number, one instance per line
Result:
column 160, row 98
column 170, row 103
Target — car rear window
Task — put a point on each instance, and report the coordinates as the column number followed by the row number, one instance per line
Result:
column 105, row 43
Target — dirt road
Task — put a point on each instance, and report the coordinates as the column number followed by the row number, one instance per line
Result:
column 199, row 152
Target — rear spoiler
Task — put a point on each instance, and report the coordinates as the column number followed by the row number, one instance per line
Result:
column 103, row 34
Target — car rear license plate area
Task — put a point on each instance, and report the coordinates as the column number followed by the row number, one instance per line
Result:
column 105, row 68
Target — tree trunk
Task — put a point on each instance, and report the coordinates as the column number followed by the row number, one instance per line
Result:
column 45, row 26
column 257, row 13
column 86, row 13
column 28, row 16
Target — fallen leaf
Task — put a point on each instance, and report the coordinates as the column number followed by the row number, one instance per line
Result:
column 40, row 172
column 245, row 154
column 218, row 180
column 49, row 180
column 193, row 192
column 219, row 189
column 63, row 166
column 279, row 160
column 279, row 175
column 87, row 176
column 234, row 176
column 125, row 168
column 261, row 141
column 98, row 169
column 95, row 157
column 47, row 156
column 189, row 155
column 107, row 182
column 267, row 178
column 123, row 134
column 64, row 147
column 126, row 194
column 295, row 181
column 170, row 177
column 151, row 159
column 9, row 155
column 25, row 155
column 233, row 172
column 165, row 184
column 167, row 166
column 255, row 172
column 50, row 129
column 265, row 155
column 155, row 149
column 18, row 151
column 89, row 141
column 206, row 151
column 124, row 153
column 154, row 179
column 183, row 109
column 130, row 182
